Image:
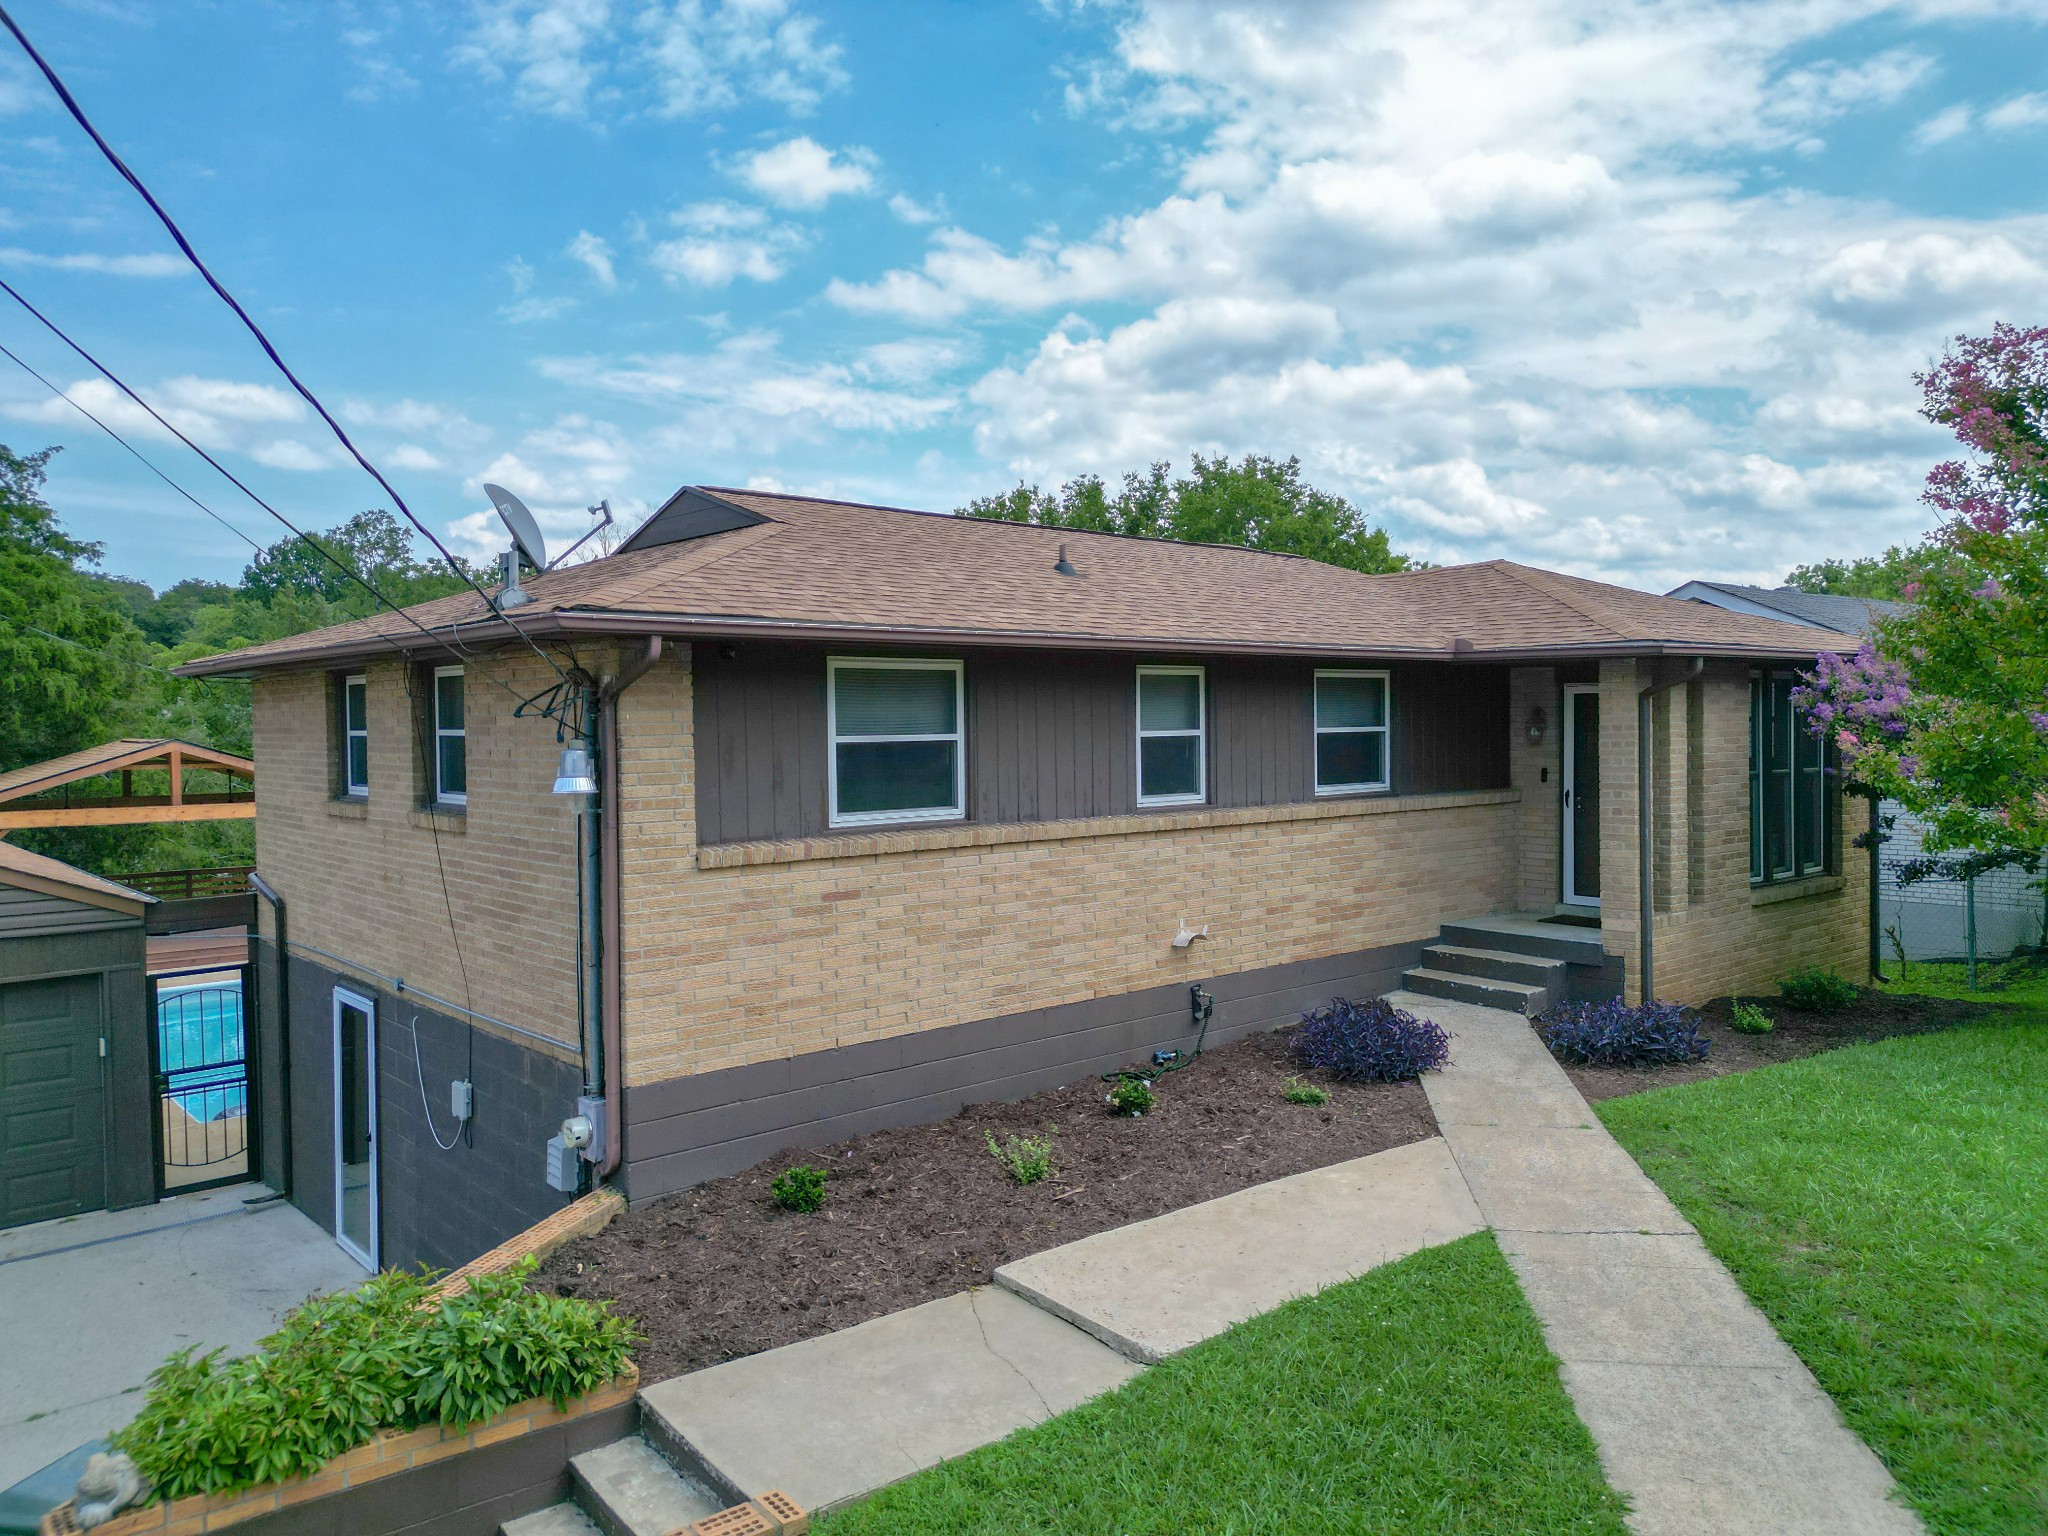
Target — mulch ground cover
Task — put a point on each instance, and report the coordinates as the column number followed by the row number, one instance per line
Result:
column 914, row 1214
column 1875, row 1016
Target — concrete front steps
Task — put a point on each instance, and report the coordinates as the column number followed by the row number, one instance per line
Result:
column 627, row 1488
column 1516, row 962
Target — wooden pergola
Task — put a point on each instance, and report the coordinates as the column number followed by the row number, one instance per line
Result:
column 59, row 793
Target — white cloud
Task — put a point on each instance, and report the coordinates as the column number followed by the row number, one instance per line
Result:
column 802, row 173
column 910, row 211
column 725, row 241
column 538, row 47
column 153, row 264
column 596, row 254
column 743, row 393
column 532, row 310
column 1508, row 275
column 567, row 58
column 2020, row 112
column 559, row 471
column 1949, row 123
column 220, row 415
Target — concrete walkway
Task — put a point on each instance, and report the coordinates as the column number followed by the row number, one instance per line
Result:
column 93, row 1304
column 1703, row 1416
column 833, row 1418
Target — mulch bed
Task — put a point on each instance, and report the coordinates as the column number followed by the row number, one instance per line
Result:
column 914, row 1214
column 1876, row 1016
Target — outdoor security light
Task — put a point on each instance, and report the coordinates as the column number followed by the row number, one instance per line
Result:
column 574, row 776
column 1538, row 723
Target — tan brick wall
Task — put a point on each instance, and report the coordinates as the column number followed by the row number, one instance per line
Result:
column 362, row 881
column 725, row 966
column 1715, row 933
column 1534, row 769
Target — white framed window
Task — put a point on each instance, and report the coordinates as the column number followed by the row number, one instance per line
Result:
column 451, row 740
column 1353, row 745
column 1172, row 736
column 898, row 740
column 355, row 735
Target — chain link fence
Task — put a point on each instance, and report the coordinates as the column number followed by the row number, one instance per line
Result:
column 1930, row 919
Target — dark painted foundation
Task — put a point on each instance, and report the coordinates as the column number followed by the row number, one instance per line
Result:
column 685, row 1130
column 467, row 1495
column 436, row 1207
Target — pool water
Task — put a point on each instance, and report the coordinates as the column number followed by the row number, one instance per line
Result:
column 199, row 1039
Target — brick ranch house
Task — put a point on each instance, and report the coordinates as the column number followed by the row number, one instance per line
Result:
column 903, row 812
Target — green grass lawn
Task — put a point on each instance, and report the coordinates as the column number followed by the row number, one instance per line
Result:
column 1887, row 1207
column 1418, row 1398
column 2021, row 981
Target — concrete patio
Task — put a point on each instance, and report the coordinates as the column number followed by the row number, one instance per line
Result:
column 94, row 1303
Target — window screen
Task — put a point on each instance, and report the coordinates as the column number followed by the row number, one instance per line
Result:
column 898, row 750
column 1172, row 755
column 1351, row 732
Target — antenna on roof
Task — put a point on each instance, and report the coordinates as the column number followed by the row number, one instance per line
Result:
column 526, row 540
column 603, row 513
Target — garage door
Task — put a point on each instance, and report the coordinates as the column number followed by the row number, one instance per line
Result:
column 52, row 1122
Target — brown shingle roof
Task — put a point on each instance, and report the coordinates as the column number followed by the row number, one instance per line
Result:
column 847, row 571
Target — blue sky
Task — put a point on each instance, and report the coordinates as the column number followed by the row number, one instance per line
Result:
column 1635, row 290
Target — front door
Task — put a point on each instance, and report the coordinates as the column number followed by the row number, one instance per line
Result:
column 53, row 1124
column 355, row 1126
column 1582, row 796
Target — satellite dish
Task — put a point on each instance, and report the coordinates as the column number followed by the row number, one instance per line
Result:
column 525, row 531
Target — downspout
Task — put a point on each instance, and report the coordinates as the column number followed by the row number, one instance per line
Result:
column 611, row 925
column 262, row 887
column 1646, row 856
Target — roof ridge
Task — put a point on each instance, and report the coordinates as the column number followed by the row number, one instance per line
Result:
column 1052, row 528
column 1523, row 573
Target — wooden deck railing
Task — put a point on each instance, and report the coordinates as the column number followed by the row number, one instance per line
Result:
column 186, row 884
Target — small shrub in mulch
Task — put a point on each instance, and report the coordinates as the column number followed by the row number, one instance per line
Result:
column 1372, row 1042
column 1618, row 1034
column 1131, row 1096
column 1027, row 1159
column 922, row 1211
column 1749, row 1018
column 1298, row 1091
column 1819, row 989
column 800, row 1189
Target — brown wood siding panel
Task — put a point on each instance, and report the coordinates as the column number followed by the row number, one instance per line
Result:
column 1450, row 728
column 1052, row 735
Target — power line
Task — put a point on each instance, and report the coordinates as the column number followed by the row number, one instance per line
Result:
column 80, row 645
column 170, row 225
column 117, row 437
column 447, row 643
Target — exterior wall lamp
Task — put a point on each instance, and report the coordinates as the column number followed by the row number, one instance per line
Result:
column 1539, row 722
column 574, row 776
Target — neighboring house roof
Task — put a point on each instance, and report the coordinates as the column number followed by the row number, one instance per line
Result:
column 53, row 877
column 1822, row 610
column 717, row 562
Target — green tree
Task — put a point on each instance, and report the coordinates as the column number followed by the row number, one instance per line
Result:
column 1259, row 503
column 68, row 648
column 1947, row 711
column 1883, row 576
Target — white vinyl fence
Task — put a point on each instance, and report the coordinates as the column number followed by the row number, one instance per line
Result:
column 1931, row 917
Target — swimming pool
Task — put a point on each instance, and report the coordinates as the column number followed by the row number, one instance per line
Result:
column 199, row 1048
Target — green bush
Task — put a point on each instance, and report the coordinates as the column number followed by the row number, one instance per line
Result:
column 343, row 1367
column 1131, row 1096
column 1750, row 1019
column 1295, row 1091
column 1818, row 989
column 801, row 1188
column 1027, row 1159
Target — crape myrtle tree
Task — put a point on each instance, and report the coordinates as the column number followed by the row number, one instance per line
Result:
column 1946, row 708
column 1260, row 503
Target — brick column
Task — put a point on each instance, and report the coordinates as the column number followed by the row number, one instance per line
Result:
column 1536, row 768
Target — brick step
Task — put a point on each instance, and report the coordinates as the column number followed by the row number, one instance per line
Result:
column 1498, row 965
column 1513, row 996
column 628, row 1488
